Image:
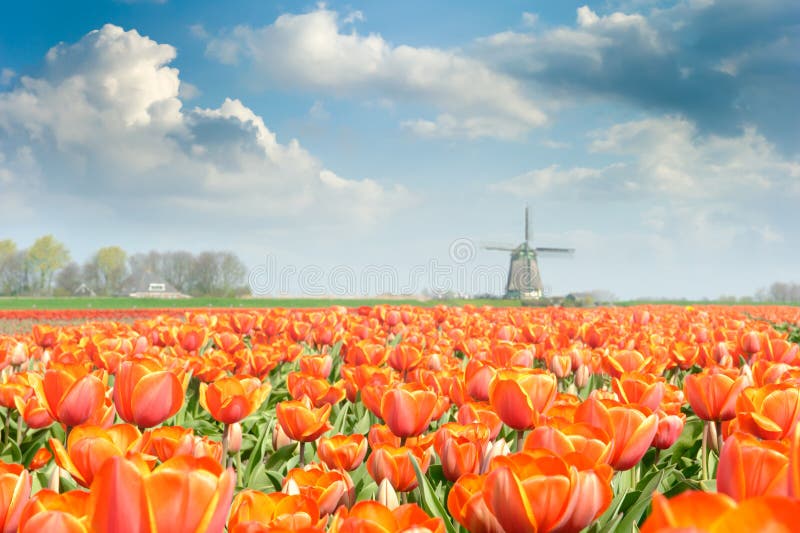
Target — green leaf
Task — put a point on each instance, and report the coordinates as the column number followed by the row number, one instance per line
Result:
column 281, row 456
column 428, row 500
column 644, row 494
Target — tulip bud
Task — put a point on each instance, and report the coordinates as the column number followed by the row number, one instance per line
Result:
column 55, row 479
column 19, row 355
column 582, row 376
column 747, row 373
column 561, row 365
column 751, row 343
column 387, row 496
column 711, row 436
column 669, row 429
column 291, row 488
column 492, row 450
column 280, row 438
column 234, row 438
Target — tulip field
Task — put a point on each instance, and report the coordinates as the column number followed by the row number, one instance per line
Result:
column 399, row 418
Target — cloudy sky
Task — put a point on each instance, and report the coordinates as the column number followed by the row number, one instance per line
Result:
column 660, row 139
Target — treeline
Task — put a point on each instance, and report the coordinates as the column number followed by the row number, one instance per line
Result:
column 46, row 268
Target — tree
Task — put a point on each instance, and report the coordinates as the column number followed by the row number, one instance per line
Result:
column 205, row 274
column 44, row 258
column 68, row 279
column 176, row 267
column 112, row 268
column 8, row 267
column 231, row 274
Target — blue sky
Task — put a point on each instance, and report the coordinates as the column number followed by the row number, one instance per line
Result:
column 328, row 142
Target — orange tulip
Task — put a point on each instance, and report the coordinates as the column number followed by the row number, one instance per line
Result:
column 70, row 393
column 329, row 488
column 407, row 410
column 468, row 507
column 529, row 491
column 459, row 454
column 89, row 447
column 145, row 394
column 713, row 393
column 644, row 389
column 50, row 511
column 520, row 396
column 184, row 494
column 669, row 429
column 253, row 510
column 372, row 517
column 589, row 443
column 317, row 365
column 482, row 413
column 232, row 399
column 40, row 458
column 33, row 413
column 393, row 463
column 716, row 513
column 634, row 430
column 749, row 467
column 319, row 390
column 300, row 421
column 692, row 510
column 769, row 412
column 15, row 489
column 346, row 452
column 794, row 464
column 168, row 441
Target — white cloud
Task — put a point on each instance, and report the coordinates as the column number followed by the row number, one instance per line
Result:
column 199, row 31
column 104, row 123
column 549, row 178
column 673, row 158
column 6, row 76
column 529, row 19
column 310, row 51
column 318, row 111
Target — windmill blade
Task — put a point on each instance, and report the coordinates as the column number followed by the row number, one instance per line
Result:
column 528, row 228
column 547, row 250
column 498, row 246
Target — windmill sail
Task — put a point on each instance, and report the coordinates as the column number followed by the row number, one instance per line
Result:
column 524, row 279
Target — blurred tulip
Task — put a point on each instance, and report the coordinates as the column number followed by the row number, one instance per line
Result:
column 183, row 494
column 15, row 489
column 689, row 511
column 40, row 459
column 53, row 512
column 145, row 394
column 232, row 399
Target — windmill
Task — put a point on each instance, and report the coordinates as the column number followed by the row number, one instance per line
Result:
column 524, row 281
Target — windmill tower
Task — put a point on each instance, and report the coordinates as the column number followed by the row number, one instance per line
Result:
column 524, row 280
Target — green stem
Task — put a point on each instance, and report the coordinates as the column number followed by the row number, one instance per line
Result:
column 225, row 438
column 720, row 440
column 302, row 454
column 704, row 454
column 518, row 440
